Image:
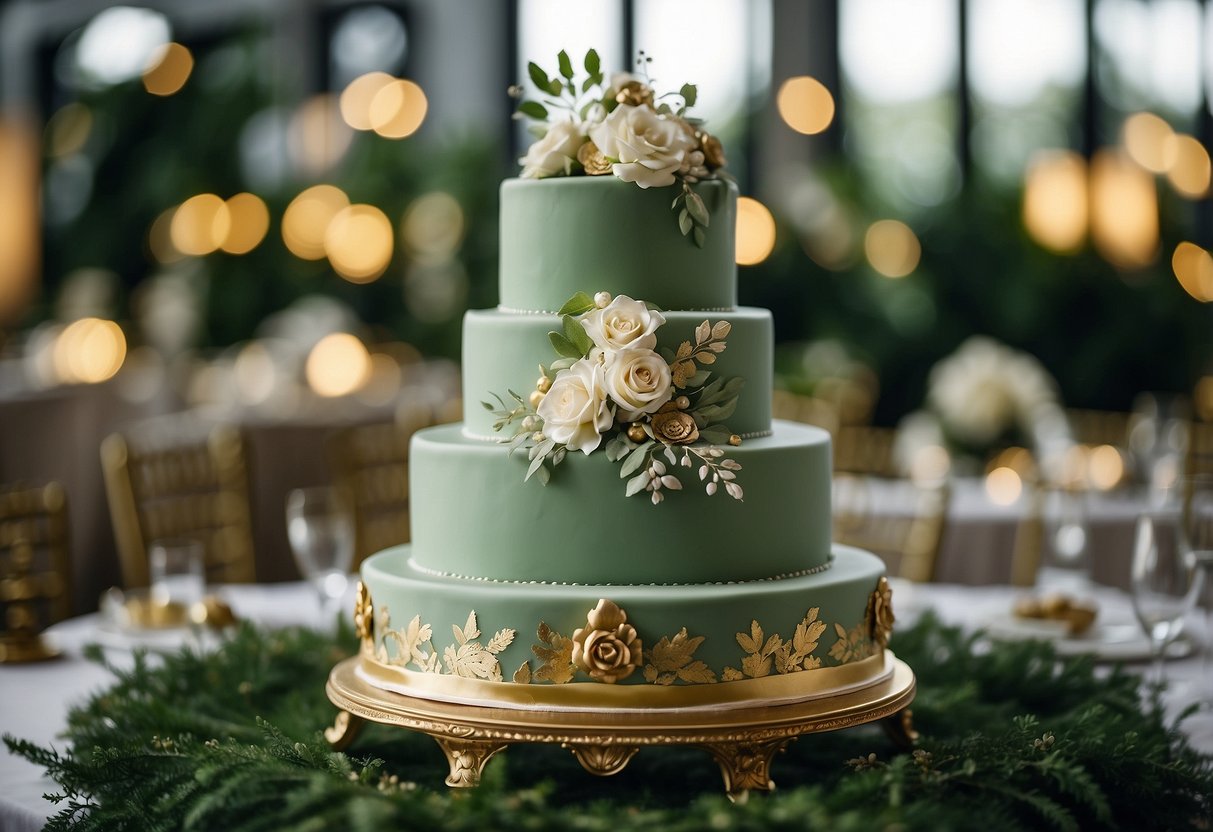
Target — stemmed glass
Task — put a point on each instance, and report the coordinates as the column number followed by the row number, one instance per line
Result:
column 1196, row 492
column 1165, row 578
column 321, row 532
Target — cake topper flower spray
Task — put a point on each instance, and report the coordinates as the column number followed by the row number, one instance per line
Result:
column 621, row 127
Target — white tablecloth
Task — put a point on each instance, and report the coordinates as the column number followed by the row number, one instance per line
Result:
column 34, row 699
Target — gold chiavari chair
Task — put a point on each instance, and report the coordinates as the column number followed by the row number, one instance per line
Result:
column 35, row 569
column 370, row 463
column 189, row 481
column 876, row 509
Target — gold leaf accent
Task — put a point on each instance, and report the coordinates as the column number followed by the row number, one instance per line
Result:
column 713, row 151
column 703, row 332
column 721, row 331
column 472, row 661
column 635, row 93
column 364, row 616
column 523, row 674
column 670, row 659
column 674, row 426
column 556, row 655
column 684, row 350
column 756, row 666
column 751, row 643
column 593, row 160
column 607, row 648
column 852, row 645
column 879, row 615
column 731, row 674
column 500, row 640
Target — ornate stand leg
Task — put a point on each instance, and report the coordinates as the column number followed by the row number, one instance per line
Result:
column 603, row 760
column 746, row 766
column 900, row 728
column 344, row 730
column 467, row 759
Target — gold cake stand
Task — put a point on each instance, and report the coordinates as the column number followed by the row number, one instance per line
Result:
column 743, row 740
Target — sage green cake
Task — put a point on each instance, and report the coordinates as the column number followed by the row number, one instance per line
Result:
column 655, row 539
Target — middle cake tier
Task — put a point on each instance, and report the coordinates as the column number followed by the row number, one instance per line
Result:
column 474, row 517
column 503, row 350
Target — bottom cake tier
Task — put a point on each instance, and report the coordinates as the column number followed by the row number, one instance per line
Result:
column 574, row 646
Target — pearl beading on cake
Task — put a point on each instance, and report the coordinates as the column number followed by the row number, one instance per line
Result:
column 438, row 573
column 511, row 310
column 467, row 434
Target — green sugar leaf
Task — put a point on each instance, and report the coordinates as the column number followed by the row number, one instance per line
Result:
column 578, row 304
column 684, row 222
column 699, row 237
column 592, row 63
column 533, row 109
column 698, row 211
column 566, row 66
column 635, row 460
column 563, row 346
column 538, row 77
column 689, row 93
column 577, row 335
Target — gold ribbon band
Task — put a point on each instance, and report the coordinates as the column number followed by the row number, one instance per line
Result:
column 768, row 690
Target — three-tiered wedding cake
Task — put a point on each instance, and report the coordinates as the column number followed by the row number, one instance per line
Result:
column 633, row 569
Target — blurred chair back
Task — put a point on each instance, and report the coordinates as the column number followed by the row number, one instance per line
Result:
column 875, row 509
column 187, row 480
column 370, row 463
column 805, row 409
column 34, row 568
column 1200, row 449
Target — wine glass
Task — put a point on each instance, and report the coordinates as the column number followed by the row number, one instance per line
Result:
column 1165, row 578
column 1196, row 493
column 1066, row 565
column 321, row 532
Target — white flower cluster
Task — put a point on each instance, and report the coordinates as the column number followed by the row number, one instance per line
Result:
column 986, row 388
column 622, row 375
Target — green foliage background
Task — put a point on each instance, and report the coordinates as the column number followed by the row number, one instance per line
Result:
column 1012, row 739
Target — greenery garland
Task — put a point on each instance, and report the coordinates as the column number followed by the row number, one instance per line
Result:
column 1012, row 738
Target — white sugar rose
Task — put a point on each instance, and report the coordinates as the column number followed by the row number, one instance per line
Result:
column 575, row 410
column 638, row 380
column 646, row 147
column 623, row 324
column 555, row 153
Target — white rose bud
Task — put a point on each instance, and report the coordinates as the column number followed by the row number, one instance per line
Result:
column 602, row 299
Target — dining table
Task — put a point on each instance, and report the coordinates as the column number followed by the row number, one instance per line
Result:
column 35, row 698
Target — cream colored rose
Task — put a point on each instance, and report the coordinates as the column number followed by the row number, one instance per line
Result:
column 647, row 148
column 554, row 153
column 638, row 380
column 623, row 324
column 607, row 648
column 576, row 410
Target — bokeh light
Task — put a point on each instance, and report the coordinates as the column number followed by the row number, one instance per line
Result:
column 1106, row 467
column 1189, row 173
column 118, row 44
column 168, row 70
column 383, row 381
column 397, row 109
column 307, row 218
column 337, row 366
column 254, row 373
column 20, row 231
column 432, row 227
column 1055, row 200
column 1193, row 268
column 892, row 248
column 1003, row 486
column 930, row 465
column 200, row 225
column 89, row 351
column 755, row 232
column 358, row 242
column 317, row 136
column 805, row 105
column 249, row 220
column 1124, row 211
column 68, row 130
column 160, row 238
column 356, row 98
column 1148, row 140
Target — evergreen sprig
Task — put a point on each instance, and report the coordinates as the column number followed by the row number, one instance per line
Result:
column 1012, row 738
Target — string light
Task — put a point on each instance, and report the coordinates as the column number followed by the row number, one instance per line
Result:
column 89, row 351
column 337, row 366
column 200, row 225
column 168, row 69
column 1190, row 171
column 356, row 98
column 1055, row 200
column 249, row 220
column 1193, row 268
column 358, row 242
column 397, row 109
column 307, row 218
column 1148, row 140
column 1003, row 486
column 1124, row 211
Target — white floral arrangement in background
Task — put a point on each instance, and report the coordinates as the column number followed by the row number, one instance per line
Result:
column 623, row 128
column 653, row 410
column 985, row 389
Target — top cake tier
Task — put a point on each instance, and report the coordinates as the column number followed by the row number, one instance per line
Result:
column 561, row 236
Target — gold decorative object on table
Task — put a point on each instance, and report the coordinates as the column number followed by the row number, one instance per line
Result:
column 34, row 570
column 742, row 717
column 1075, row 613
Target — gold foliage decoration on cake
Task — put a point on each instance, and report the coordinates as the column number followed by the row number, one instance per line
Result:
column 472, row 659
column 880, row 613
column 671, row 659
column 555, row 654
column 774, row 653
column 522, row 675
column 607, row 648
column 852, row 645
column 592, row 160
column 414, row 646
column 364, row 616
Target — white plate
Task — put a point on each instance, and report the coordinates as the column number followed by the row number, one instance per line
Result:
column 1120, row 641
